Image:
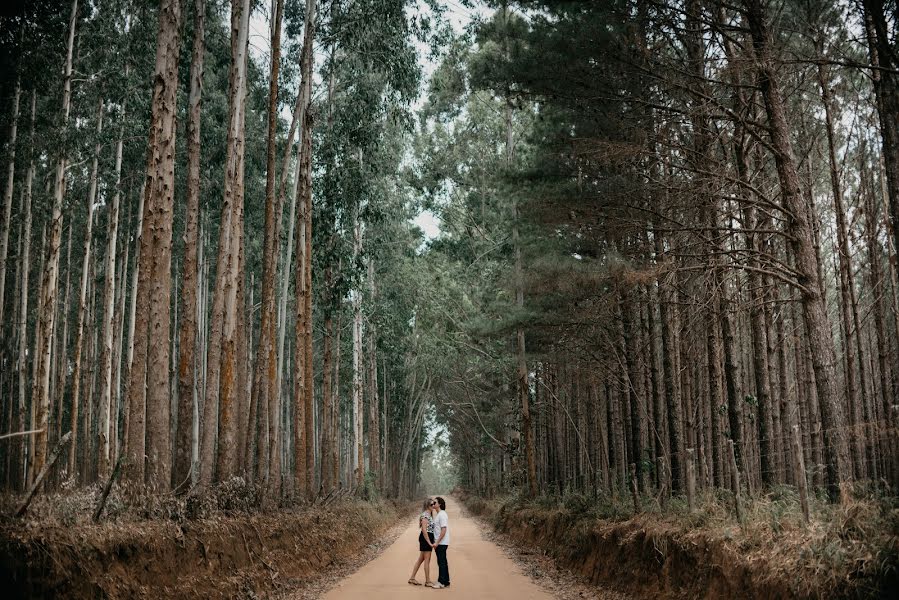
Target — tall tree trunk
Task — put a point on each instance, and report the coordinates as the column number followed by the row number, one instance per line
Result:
column 327, row 463
column 149, row 388
column 358, row 461
column 878, row 289
column 114, row 438
column 670, row 372
column 108, row 417
column 86, row 272
column 132, row 323
column 634, row 381
column 28, row 462
column 374, row 441
column 304, row 440
column 218, row 408
column 886, row 88
column 7, row 196
column 265, row 378
column 47, row 312
column 187, row 340
column 851, row 352
column 759, row 334
column 18, row 446
column 522, row 386
column 799, row 228
column 734, row 402
column 335, row 391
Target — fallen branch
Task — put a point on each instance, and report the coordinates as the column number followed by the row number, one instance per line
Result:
column 106, row 489
column 40, row 476
column 323, row 500
column 18, row 433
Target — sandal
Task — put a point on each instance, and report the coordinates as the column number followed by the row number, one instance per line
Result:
column 429, row 584
column 414, row 582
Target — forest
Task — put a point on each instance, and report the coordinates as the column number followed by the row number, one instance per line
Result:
column 637, row 251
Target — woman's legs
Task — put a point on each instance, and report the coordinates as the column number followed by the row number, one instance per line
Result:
column 426, row 557
column 421, row 558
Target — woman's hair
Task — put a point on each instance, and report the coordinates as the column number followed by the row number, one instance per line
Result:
column 427, row 505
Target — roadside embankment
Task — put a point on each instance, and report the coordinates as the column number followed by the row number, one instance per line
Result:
column 220, row 556
column 848, row 551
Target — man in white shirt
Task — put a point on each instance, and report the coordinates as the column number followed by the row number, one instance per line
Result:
column 443, row 540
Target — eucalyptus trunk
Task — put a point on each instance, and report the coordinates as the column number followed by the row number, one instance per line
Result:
column 47, row 304
column 7, row 196
column 187, row 340
column 265, row 380
column 149, row 388
column 304, row 433
column 218, row 407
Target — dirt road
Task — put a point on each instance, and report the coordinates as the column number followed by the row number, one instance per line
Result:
column 478, row 569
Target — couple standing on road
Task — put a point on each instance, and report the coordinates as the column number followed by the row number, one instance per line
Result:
column 434, row 525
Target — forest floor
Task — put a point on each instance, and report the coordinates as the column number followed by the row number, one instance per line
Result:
column 845, row 551
column 220, row 546
column 482, row 566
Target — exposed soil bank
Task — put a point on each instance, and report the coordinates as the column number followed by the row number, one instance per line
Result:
column 225, row 557
column 651, row 558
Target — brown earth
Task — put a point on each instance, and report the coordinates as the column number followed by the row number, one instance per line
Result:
column 245, row 556
column 479, row 570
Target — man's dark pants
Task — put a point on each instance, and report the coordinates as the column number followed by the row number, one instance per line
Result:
column 443, row 568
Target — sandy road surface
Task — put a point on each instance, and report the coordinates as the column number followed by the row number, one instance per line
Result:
column 478, row 569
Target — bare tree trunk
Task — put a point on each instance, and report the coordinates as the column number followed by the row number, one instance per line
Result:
column 886, row 89
column 132, row 321
column 114, row 438
column 851, row 352
column 633, row 383
column 28, row 460
column 327, row 461
column 90, row 382
column 374, row 442
column 149, row 388
column 734, row 403
column 86, row 268
column 60, row 347
column 221, row 353
column 108, row 417
column 759, row 332
column 523, row 388
column 282, row 300
column 304, row 436
column 7, row 195
column 187, row 342
column 878, row 289
column 17, row 447
column 358, row 461
column 235, row 382
column 304, row 433
column 799, row 228
column 265, row 379
column 668, row 317
column 335, row 391
column 47, row 312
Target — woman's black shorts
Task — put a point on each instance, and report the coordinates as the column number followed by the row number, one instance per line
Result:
column 423, row 545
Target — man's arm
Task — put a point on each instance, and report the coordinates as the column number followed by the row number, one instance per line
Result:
column 442, row 534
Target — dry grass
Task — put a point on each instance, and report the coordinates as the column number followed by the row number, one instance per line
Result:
column 233, row 548
column 70, row 505
column 845, row 550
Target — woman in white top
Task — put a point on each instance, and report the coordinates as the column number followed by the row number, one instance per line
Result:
column 426, row 543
